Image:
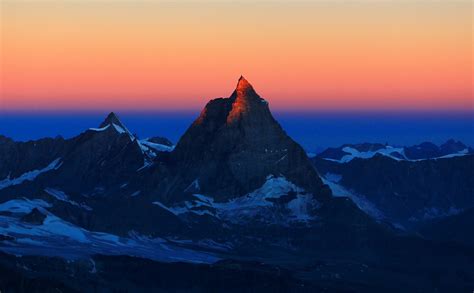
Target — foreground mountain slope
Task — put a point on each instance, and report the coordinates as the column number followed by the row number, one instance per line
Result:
column 415, row 267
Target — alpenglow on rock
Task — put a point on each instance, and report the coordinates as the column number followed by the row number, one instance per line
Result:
column 233, row 146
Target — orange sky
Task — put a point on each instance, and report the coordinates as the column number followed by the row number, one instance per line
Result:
column 313, row 55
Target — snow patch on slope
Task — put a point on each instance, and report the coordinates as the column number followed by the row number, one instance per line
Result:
column 118, row 128
column 261, row 203
column 59, row 195
column 147, row 145
column 123, row 130
column 136, row 193
column 100, row 129
column 31, row 175
column 340, row 191
column 149, row 149
column 193, row 187
column 353, row 153
column 395, row 153
column 23, row 206
column 300, row 206
column 430, row 213
column 458, row 154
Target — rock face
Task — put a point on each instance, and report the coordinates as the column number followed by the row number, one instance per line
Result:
column 407, row 192
column 160, row 140
column 112, row 119
column 424, row 150
column 452, row 146
column 34, row 217
column 85, row 178
column 17, row 158
column 234, row 145
column 99, row 157
column 455, row 228
column 427, row 150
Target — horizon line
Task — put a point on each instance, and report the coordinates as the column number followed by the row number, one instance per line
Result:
column 59, row 112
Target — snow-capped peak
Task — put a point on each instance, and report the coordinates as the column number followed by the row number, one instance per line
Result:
column 112, row 120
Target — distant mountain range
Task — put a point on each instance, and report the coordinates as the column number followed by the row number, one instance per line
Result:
column 423, row 151
column 403, row 192
column 404, row 185
column 236, row 204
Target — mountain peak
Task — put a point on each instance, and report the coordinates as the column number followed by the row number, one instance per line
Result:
column 112, row 118
column 243, row 84
column 239, row 144
column 244, row 89
column 245, row 100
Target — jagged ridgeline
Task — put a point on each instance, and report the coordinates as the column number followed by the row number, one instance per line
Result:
column 235, row 165
column 237, row 196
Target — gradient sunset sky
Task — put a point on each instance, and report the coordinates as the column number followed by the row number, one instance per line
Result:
column 312, row 55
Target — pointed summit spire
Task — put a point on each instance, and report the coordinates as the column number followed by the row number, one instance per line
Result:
column 245, row 101
column 240, row 136
column 243, row 83
column 112, row 118
column 244, row 88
